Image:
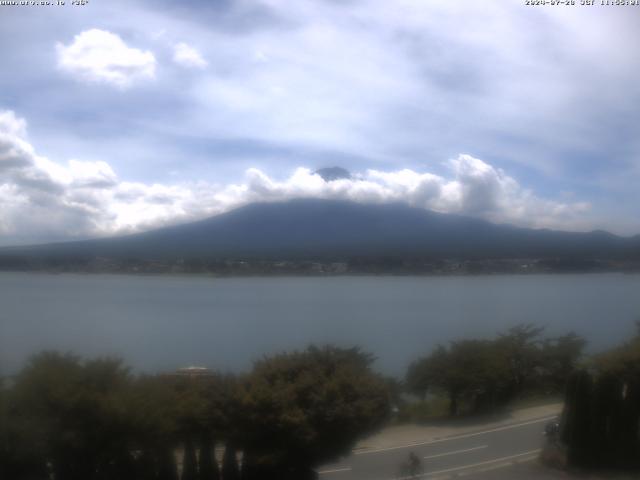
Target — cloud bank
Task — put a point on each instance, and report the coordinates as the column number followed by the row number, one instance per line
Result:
column 545, row 97
column 43, row 200
column 103, row 57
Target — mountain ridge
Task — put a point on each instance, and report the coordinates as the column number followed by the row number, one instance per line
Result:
column 337, row 229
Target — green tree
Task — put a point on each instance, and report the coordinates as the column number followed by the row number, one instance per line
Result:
column 618, row 373
column 559, row 358
column 304, row 408
column 471, row 371
column 601, row 419
column 79, row 415
column 521, row 345
column 21, row 450
column 154, row 405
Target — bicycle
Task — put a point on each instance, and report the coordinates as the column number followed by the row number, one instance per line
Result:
column 411, row 468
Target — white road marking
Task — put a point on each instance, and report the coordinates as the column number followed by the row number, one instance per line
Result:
column 479, row 464
column 455, row 469
column 335, row 470
column 456, row 437
column 456, row 451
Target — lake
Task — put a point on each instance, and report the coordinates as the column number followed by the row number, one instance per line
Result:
column 159, row 323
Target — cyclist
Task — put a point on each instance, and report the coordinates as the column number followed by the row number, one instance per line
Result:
column 415, row 464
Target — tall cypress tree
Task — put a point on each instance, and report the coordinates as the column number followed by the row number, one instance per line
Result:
column 577, row 420
column 628, row 426
column 207, row 464
column 230, row 470
column 189, row 463
column 604, row 406
column 167, row 468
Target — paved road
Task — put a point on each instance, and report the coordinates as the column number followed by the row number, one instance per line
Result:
column 482, row 451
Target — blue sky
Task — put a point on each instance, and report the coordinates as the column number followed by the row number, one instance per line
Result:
column 117, row 117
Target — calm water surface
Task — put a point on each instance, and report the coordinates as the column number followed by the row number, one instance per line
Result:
column 165, row 322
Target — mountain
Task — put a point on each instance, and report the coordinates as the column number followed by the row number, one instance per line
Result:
column 330, row 174
column 312, row 228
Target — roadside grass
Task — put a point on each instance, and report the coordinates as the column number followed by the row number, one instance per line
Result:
column 436, row 407
column 535, row 400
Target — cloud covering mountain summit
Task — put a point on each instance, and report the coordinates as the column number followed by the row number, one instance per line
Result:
column 45, row 200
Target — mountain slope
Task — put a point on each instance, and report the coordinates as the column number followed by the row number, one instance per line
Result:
column 311, row 228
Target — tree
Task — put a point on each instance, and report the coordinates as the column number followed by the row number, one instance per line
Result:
column 483, row 374
column 207, row 464
column 576, row 424
column 79, row 415
column 189, row 462
column 521, row 346
column 471, row 371
column 601, row 420
column 167, row 469
column 559, row 358
column 154, row 412
column 230, row 469
column 304, row 408
column 21, row 451
column 619, row 370
column 418, row 378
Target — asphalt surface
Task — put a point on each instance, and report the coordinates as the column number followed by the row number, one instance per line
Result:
column 490, row 453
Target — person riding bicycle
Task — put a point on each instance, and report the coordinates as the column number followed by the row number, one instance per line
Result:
column 415, row 464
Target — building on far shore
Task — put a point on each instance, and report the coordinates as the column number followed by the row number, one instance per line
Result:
column 193, row 372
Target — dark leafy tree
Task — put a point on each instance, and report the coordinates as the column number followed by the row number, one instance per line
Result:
column 22, row 453
column 80, row 412
column 559, row 358
column 154, row 414
column 604, row 406
column 305, row 408
column 521, row 346
column 484, row 374
column 470, row 371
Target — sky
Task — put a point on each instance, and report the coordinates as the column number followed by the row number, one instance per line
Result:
column 117, row 117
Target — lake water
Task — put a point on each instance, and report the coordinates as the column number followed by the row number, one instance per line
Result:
column 161, row 323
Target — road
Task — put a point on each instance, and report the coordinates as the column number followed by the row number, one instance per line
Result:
column 492, row 449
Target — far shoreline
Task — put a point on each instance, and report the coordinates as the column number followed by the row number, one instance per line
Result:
column 216, row 276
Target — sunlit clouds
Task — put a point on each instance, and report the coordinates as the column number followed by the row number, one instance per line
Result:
column 103, row 57
column 159, row 112
column 44, row 200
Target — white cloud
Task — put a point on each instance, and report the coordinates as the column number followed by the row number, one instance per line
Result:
column 13, row 146
column 400, row 85
column 187, row 56
column 101, row 56
column 44, row 200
